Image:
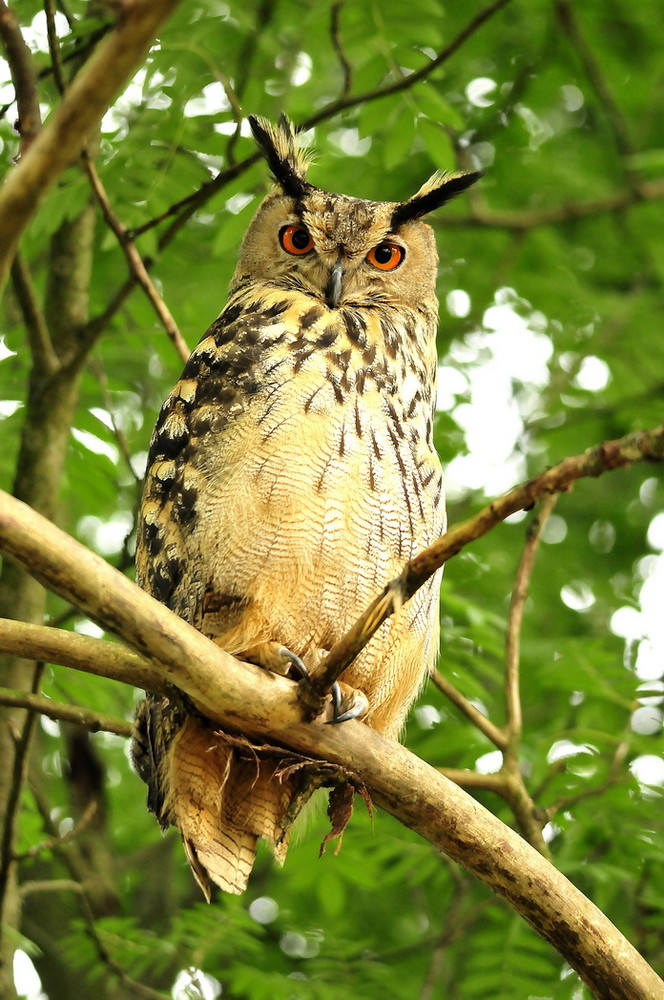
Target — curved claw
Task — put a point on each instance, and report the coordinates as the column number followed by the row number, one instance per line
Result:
column 347, row 703
column 296, row 663
column 335, row 692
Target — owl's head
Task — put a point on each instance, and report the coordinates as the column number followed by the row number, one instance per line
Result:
column 338, row 249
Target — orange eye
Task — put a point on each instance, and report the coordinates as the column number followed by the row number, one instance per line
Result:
column 296, row 240
column 386, row 256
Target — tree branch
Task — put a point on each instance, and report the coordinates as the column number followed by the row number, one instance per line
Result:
column 94, row 656
column 36, row 327
column 24, row 76
column 266, row 705
column 514, row 621
column 66, row 713
column 62, row 139
column 136, row 264
column 523, row 221
column 478, row 719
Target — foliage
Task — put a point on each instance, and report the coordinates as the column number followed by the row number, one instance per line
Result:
column 550, row 341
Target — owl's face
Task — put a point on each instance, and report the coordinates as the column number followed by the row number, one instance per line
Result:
column 341, row 250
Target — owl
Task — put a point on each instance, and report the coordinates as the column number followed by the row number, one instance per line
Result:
column 291, row 474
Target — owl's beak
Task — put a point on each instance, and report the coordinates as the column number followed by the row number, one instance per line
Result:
column 333, row 287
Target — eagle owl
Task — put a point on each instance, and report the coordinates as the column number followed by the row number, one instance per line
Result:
column 291, row 474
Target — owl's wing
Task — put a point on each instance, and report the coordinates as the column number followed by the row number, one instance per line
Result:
column 217, row 384
column 206, row 400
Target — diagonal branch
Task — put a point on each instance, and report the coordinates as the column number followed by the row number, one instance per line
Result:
column 60, row 142
column 136, row 263
column 478, row 719
column 266, row 705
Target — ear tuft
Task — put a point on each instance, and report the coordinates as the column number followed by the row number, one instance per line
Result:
column 287, row 160
column 438, row 190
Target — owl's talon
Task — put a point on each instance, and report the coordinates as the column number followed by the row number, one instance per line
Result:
column 335, row 692
column 276, row 658
column 347, row 703
column 297, row 667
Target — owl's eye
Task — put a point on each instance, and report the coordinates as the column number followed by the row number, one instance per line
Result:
column 386, row 256
column 296, row 240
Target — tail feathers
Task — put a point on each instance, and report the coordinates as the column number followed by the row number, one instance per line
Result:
column 227, row 865
column 222, row 803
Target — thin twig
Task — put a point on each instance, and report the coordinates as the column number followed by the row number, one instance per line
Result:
column 93, row 721
column 44, row 357
column 478, row 719
column 514, row 621
column 24, row 76
column 335, row 35
column 531, row 820
column 57, row 843
column 613, row 778
column 116, row 970
column 135, row 261
column 624, row 145
column 465, row 778
column 99, row 373
column 652, row 190
column 54, row 46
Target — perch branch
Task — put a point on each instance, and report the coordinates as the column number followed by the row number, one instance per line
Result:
column 262, row 704
column 59, row 143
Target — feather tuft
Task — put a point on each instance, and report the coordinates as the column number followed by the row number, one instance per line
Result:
column 438, row 190
column 287, row 159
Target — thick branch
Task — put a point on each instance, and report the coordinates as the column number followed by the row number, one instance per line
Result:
column 266, row 705
column 636, row 447
column 94, row 656
column 64, row 136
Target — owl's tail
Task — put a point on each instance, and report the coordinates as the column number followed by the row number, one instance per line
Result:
column 222, row 803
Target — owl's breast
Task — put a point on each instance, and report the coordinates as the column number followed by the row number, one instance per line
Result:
column 305, row 459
